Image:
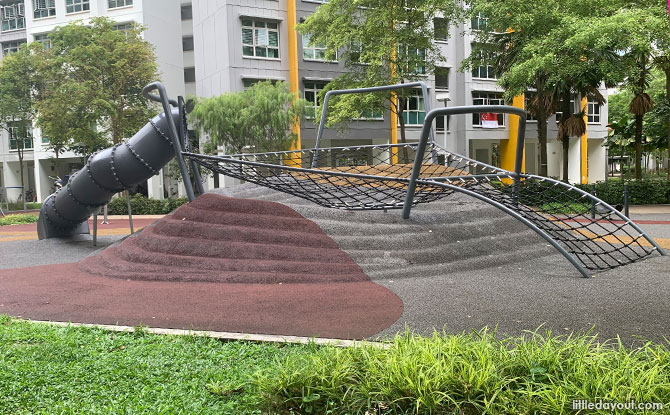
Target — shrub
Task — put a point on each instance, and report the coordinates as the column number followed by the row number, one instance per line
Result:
column 17, row 219
column 141, row 205
column 640, row 192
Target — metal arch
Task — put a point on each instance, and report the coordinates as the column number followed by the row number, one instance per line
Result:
column 427, row 129
column 517, row 216
column 324, row 109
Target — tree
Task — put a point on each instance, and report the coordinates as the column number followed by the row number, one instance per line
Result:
column 381, row 42
column 93, row 76
column 17, row 100
column 258, row 119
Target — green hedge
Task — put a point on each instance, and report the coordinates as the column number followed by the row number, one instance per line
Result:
column 140, row 205
column 640, row 192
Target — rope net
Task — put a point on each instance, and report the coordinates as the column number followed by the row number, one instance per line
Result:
column 374, row 177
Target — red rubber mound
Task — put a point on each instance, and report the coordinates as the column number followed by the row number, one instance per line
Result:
column 222, row 239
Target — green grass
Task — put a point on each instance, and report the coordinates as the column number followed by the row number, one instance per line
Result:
column 55, row 370
column 16, row 206
column 556, row 208
column 64, row 370
column 17, row 219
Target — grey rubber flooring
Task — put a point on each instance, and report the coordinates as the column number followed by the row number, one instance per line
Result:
column 461, row 265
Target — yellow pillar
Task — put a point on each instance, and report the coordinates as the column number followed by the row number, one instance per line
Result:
column 508, row 147
column 584, row 146
column 394, row 128
column 294, row 83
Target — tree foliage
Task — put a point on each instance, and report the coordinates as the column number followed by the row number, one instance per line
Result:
column 257, row 119
column 18, row 77
column 93, row 76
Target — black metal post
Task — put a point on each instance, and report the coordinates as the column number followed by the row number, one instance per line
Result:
column 95, row 229
column 130, row 213
column 593, row 201
column 625, row 201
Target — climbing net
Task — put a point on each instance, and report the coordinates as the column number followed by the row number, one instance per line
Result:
column 377, row 177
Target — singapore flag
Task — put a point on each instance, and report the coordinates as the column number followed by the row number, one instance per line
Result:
column 489, row 120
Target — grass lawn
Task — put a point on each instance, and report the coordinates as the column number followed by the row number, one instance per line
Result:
column 54, row 370
column 18, row 219
column 63, row 370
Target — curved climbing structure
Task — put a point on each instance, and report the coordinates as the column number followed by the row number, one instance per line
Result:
column 591, row 234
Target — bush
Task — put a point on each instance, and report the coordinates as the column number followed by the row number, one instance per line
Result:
column 15, row 206
column 466, row 374
column 17, row 220
column 141, row 205
column 640, row 192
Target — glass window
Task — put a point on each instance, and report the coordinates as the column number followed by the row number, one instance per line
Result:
column 483, row 71
column 186, row 12
column 441, row 28
column 187, row 43
column 260, row 38
column 18, row 135
column 76, row 6
column 528, row 98
column 113, row 4
column 415, row 110
column 312, row 51
column 189, row 75
column 13, row 17
column 479, row 22
column 441, row 78
column 43, row 38
column 559, row 114
column 44, row 8
column 312, row 89
column 593, row 112
column 487, row 98
column 124, row 27
column 10, row 47
column 415, row 56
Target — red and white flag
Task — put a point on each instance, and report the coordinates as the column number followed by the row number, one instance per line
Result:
column 489, row 120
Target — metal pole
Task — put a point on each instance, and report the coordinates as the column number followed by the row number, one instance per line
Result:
column 104, row 217
column 130, row 213
column 95, row 229
column 625, row 201
column 23, row 196
column 593, row 201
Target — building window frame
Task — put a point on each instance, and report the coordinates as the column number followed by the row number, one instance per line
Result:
column 527, row 97
column 314, row 52
column 43, row 39
column 258, row 36
column 187, row 43
column 13, row 17
column 487, row 98
column 27, row 140
column 189, row 75
column 186, row 11
column 311, row 91
column 77, row 6
column 483, row 71
column 11, row 47
column 415, row 109
column 479, row 22
column 441, row 29
column 593, row 112
column 43, row 9
column 118, row 4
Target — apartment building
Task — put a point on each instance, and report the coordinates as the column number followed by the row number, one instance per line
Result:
column 169, row 30
column 240, row 42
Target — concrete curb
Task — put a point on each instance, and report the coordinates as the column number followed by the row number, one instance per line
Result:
column 226, row 336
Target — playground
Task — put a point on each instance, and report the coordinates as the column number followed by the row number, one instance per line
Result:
column 439, row 242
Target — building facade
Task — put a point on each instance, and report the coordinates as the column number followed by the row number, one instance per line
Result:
column 239, row 42
column 211, row 47
column 169, row 30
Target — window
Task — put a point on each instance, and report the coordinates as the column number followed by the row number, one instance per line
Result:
column 415, row 110
column 593, row 112
column 13, row 17
column 186, row 12
column 249, row 82
column 312, row 89
column 44, row 8
column 483, row 71
column 441, row 29
column 487, row 98
column 559, row 114
column 260, row 39
column 441, row 78
column 43, row 38
column 528, row 99
column 418, row 57
column 312, row 51
column 113, row 4
column 189, row 75
column 187, row 43
column 15, row 133
column 10, row 47
column 479, row 22
column 123, row 27
column 76, row 6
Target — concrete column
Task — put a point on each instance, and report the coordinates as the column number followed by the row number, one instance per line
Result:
column 43, row 183
column 574, row 161
column 597, row 160
column 155, row 186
